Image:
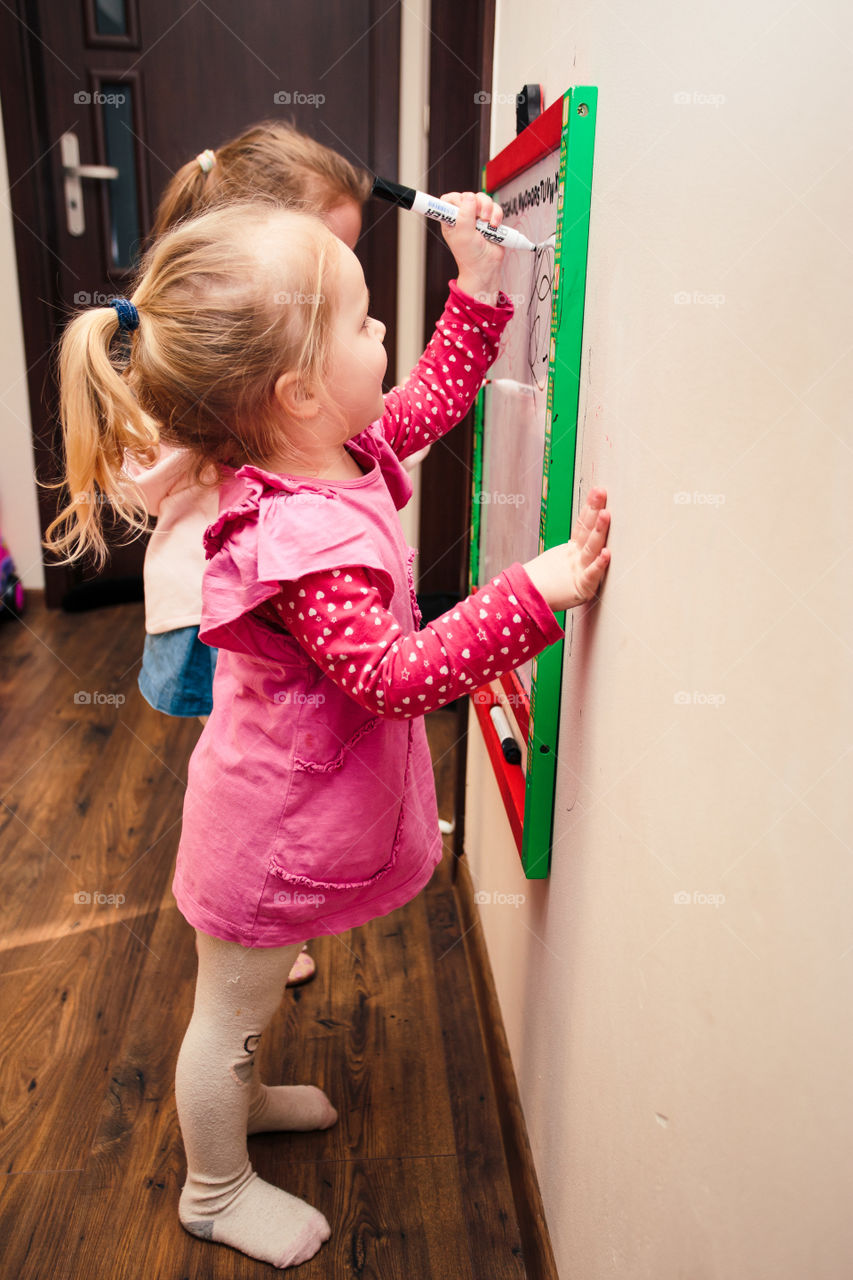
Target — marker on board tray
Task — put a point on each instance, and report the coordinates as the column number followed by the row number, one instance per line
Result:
column 509, row 746
column 420, row 202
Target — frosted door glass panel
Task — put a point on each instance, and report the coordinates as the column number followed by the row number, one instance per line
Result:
column 110, row 18
column 117, row 109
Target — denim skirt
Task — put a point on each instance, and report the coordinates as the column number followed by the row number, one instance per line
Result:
column 177, row 673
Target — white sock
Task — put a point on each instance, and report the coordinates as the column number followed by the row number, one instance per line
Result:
column 253, row 1216
column 289, row 1106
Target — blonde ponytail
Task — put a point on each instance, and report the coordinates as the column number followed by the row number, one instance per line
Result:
column 190, row 190
column 272, row 160
column 101, row 421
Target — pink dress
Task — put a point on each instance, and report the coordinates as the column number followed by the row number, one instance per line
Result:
column 310, row 806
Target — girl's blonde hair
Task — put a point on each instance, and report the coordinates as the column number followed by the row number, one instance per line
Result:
column 270, row 159
column 227, row 302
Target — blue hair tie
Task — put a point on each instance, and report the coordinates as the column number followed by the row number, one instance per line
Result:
column 128, row 316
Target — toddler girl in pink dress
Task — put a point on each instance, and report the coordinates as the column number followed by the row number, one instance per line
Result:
column 310, row 804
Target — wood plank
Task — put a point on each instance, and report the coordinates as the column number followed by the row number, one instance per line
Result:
column 96, row 812
column 366, row 1030
column 496, row 1248
column 34, row 1208
column 393, row 1219
column 62, row 1007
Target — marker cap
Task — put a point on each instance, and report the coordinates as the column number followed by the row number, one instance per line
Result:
column 394, row 192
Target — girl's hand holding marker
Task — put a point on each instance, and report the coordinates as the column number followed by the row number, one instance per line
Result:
column 478, row 260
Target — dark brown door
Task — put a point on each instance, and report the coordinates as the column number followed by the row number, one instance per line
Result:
column 138, row 88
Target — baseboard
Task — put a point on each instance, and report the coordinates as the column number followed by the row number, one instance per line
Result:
column 536, row 1242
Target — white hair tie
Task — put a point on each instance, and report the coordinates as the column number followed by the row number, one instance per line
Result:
column 206, row 160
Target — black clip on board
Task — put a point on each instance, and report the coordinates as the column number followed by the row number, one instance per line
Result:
column 528, row 105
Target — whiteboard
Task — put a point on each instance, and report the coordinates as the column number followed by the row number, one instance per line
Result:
column 526, row 430
column 515, row 399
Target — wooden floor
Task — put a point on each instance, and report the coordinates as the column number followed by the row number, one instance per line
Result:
column 96, row 994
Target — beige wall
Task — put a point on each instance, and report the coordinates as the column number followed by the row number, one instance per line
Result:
column 18, row 501
column 685, row 1067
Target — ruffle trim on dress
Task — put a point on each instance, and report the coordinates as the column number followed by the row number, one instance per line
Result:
column 416, row 613
column 260, row 484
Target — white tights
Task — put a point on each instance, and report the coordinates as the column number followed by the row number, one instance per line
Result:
column 220, row 1100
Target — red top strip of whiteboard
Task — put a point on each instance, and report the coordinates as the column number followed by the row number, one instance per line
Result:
column 539, row 139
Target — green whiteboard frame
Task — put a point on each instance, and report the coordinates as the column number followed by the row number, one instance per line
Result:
column 577, row 144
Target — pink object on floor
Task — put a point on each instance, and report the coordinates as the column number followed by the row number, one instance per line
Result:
column 303, row 970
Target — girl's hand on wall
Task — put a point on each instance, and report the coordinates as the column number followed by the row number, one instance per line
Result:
column 569, row 574
column 479, row 262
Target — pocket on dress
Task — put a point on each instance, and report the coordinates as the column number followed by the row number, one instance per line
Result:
column 343, row 817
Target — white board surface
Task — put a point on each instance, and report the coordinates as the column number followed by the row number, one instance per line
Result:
column 515, row 400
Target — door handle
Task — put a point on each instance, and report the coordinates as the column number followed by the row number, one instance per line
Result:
column 72, row 172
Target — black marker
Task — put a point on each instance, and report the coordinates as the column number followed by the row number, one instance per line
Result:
column 509, row 746
column 420, row 202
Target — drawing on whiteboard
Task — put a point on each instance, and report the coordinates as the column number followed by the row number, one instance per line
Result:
column 539, row 315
